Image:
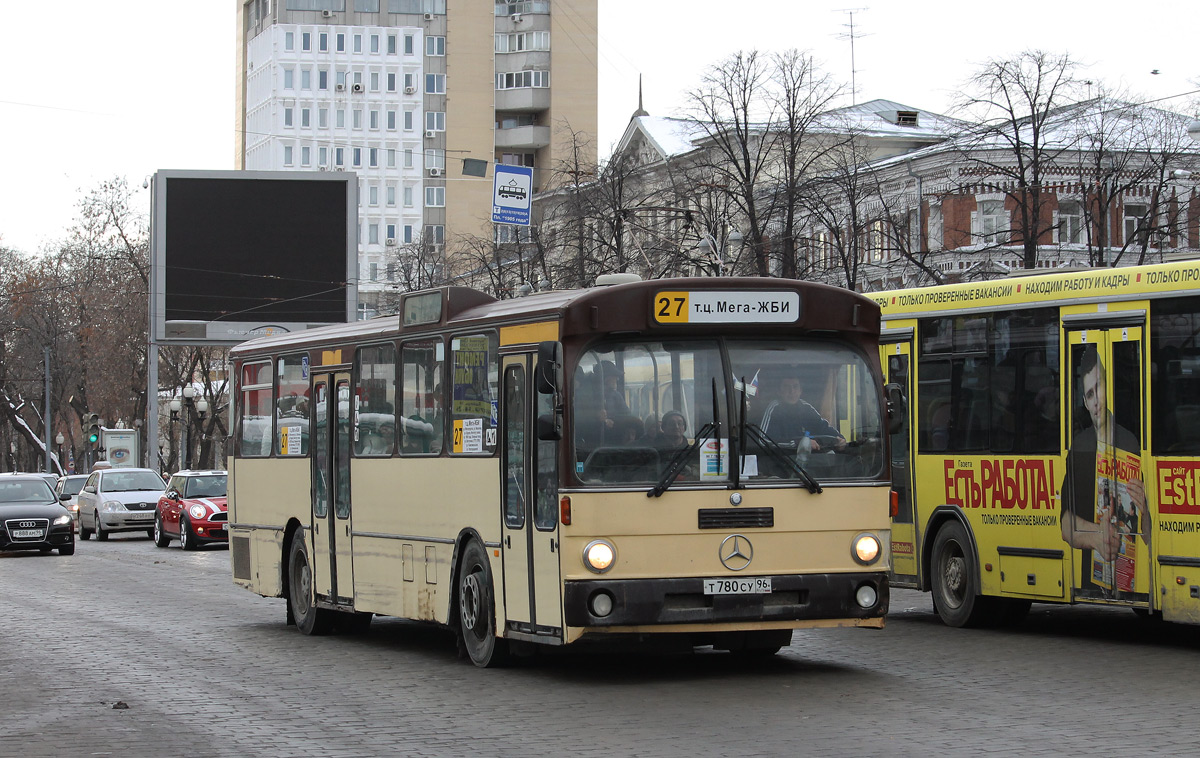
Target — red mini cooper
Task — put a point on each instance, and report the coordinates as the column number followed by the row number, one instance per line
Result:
column 192, row 510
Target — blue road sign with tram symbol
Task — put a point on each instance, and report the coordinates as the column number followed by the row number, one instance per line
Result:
column 512, row 194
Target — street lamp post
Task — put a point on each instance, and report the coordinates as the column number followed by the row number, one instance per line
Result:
column 189, row 394
column 201, row 412
column 59, row 439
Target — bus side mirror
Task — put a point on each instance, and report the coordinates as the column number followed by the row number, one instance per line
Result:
column 897, row 408
column 549, row 367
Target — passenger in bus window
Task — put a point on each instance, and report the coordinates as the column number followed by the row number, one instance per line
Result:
column 1089, row 522
column 629, row 431
column 614, row 401
column 674, row 431
column 652, row 431
column 789, row 417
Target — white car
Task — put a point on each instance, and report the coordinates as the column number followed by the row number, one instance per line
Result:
column 119, row 500
column 67, row 489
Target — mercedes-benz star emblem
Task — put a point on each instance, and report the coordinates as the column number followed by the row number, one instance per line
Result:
column 736, row 552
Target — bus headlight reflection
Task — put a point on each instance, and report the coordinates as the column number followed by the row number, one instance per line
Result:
column 599, row 555
column 602, row 604
column 866, row 549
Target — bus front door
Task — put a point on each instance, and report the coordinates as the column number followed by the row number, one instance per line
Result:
column 896, row 351
column 532, row 601
column 333, row 575
column 1105, row 514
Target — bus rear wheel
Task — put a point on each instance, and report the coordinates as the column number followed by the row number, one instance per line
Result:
column 301, row 597
column 476, row 609
column 954, row 570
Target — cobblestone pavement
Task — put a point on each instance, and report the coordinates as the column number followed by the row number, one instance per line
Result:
column 208, row 669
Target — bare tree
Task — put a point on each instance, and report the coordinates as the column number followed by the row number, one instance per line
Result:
column 1015, row 100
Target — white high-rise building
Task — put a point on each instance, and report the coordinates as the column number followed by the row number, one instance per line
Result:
column 405, row 93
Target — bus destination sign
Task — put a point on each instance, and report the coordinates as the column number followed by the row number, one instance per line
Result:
column 716, row 307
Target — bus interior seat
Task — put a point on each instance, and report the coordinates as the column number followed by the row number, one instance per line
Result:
column 621, row 464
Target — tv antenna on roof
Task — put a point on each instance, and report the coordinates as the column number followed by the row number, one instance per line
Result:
column 852, row 35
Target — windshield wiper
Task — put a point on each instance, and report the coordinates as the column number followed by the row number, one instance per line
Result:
column 759, row 437
column 677, row 461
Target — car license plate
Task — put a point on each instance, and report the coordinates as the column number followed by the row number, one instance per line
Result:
column 24, row 534
column 142, row 516
column 752, row 585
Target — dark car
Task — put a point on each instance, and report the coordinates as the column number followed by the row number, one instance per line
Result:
column 193, row 509
column 31, row 518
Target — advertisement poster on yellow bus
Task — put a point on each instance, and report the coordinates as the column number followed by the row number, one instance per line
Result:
column 471, row 396
column 1116, row 516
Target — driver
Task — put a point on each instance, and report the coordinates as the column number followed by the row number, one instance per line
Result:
column 791, row 418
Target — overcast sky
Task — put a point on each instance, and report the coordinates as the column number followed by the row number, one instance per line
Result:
column 94, row 90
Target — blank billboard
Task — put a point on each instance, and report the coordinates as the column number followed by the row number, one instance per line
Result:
column 237, row 254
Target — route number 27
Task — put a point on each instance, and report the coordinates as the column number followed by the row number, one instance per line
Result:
column 671, row 307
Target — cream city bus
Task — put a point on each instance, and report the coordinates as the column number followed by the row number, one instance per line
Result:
column 608, row 464
column 1051, row 450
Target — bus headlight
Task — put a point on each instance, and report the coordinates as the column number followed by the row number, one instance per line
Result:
column 599, row 555
column 866, row 596
column 866, row 549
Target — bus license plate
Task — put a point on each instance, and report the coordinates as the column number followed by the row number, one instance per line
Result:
column 24, row 534
column 753, row 585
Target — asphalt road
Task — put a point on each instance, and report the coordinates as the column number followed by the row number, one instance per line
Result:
column 126, row 649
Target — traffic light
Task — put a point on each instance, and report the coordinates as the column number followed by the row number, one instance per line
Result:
column 92, row 429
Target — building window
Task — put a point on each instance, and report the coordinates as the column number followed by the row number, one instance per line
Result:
column 991, row 222
column 435, row 234
column 408, row 157
column 435, row 84
column 373, row 157
column 435, row 197
column 323, row 42
column 391, row 44
column 391, row 198
column 323, row 79
column 391, row 120
column 305, row 121
column 357, row 114
column 358, row 43
column 289, row 41
column 408, row 198
column 435, row 121
column 522, row 79
column 322, row 156
column 435, row 158
column 391, row 82
column 373, row 195
column 374, row 81
column 357, row 153
column 339, row 156
column 408, row 82
column 323, row 117
column 305, row 79
column 287, row 155
column 391, row 157
column 341, row 118
column 408, row 44
column 408, row 121
column 391, row 231
column 287, row 117
column 374, row 43
column 341, row 42
column 1137, row 224
column 373, row 234
column 516, row 43
column 435, row 46
column 305, row 41
column 374, row 119
column 289, row 79
column 1070, row 223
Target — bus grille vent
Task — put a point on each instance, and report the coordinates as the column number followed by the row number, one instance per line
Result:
column 736, row 518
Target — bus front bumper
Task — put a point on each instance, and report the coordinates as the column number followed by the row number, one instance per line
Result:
column 655, row 602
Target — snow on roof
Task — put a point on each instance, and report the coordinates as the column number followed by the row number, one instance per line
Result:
column 670, row 136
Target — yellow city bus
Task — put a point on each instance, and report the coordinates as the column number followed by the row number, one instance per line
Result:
column 569, row 466
column 1051, row 444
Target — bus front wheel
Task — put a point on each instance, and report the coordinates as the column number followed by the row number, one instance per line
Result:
column 476, row 609
column 301, row 598
column 954, row 571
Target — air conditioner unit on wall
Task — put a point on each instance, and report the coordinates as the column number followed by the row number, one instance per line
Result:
column 326, row 14
column 410, row 90
column 356, row 87
column 390, row 242
column 428, row 16
column 435, row 172
column 430, row 134
column 340, row 87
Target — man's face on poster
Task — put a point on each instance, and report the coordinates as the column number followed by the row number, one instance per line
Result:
column 1093, row 395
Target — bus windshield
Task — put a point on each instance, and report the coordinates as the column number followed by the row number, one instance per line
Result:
column 811, row 411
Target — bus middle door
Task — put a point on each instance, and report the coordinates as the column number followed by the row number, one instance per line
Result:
column 1104, row 503
column 896, row 350
column 333, row 574
column 529, row 492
